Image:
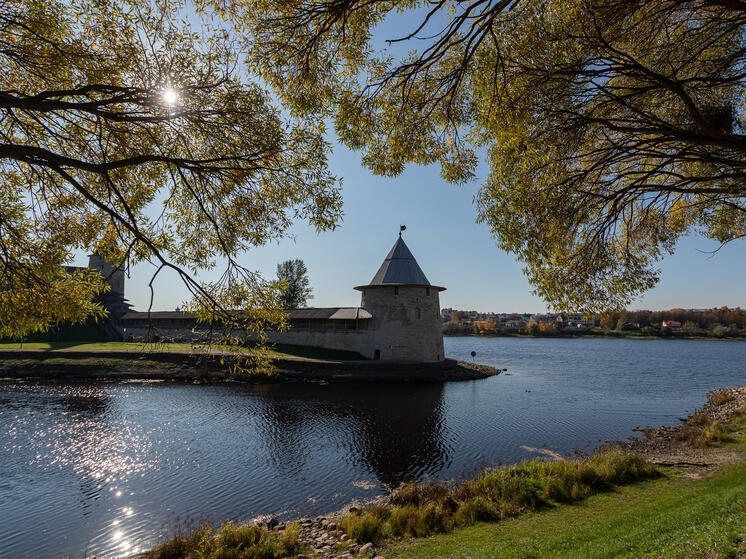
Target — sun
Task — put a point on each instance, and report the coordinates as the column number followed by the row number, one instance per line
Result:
column 170, row 96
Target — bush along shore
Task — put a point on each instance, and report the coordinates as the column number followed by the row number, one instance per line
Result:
column 704, row 443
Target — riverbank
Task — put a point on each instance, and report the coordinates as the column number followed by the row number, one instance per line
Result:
column 704, row 461
column 185, row 365
column 670, row 518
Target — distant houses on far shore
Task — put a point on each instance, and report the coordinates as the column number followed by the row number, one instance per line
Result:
column 716, row 322
column 520, row 321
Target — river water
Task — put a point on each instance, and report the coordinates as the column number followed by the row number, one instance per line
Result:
column 107, row 469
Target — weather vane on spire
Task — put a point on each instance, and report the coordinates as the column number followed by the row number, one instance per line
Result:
column 402, row 228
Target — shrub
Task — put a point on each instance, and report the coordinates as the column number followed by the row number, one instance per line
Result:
column 412, row 493
column 366, row 526
column 513, row 489
column 619, row 468
column 714, row 433
column 403, row 520
column 699, row 432
column 231, row 541
column 474, row 510
column 688, row 434
column 699, row 419
column 180, row 546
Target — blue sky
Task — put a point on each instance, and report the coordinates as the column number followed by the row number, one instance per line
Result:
column 450, row 247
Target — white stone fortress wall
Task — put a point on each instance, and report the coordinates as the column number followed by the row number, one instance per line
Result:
column 349, row 340
column 406, row 325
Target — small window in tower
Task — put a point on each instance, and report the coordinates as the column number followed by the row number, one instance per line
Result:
column 396, row 291
column 417, row 312
column 427, row 291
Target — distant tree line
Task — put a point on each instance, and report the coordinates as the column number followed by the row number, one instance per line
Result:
column 705, row 319
column 723, row 322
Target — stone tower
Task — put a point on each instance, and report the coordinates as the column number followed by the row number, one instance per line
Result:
column 406, row 321
column 113, row 276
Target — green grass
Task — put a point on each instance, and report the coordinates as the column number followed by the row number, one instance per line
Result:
column 667, row 518
column 423, row 509
column 280, row 350
column 92, row 346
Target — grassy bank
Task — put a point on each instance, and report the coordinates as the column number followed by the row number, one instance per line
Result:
column 279, row 350
column 672, row 518
column 424, row 509
column 418, row 510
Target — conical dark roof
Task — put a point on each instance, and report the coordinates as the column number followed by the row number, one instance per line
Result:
column 400, row 268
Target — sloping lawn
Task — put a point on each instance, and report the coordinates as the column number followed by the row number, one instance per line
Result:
column 93, row 346
column 667, row 518
column 280, row 350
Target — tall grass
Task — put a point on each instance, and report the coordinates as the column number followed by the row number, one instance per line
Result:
column 699, row 431
column 422, row 509
column 230, row 541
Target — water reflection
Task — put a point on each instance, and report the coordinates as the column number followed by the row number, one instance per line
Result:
column 86, row 402
column 396, row 432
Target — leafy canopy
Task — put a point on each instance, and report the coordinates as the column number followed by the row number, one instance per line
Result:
column 612, row 127
column 292, row 276
column 124, row 131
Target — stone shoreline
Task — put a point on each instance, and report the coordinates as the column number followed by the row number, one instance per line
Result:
column 175, row 366
column 666, row 445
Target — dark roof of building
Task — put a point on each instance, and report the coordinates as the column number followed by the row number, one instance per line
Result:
column 332, row 313
column 400, row 268
column 157, row 315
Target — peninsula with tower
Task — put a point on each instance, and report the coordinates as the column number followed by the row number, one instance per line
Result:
column 394, row 335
